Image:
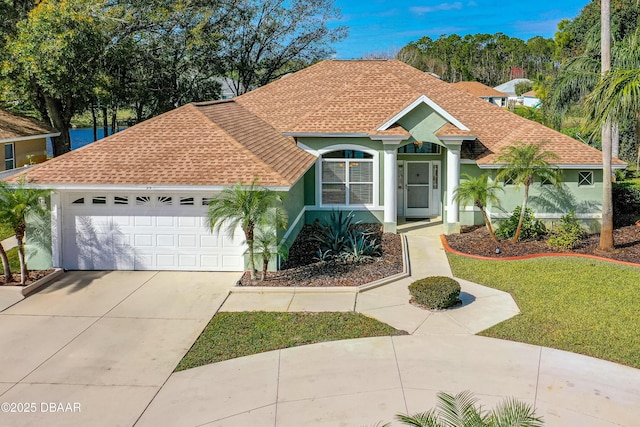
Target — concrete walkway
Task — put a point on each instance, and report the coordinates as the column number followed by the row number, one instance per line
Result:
column 481, row 307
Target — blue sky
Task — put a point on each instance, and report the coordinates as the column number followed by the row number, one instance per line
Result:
column 383, row 25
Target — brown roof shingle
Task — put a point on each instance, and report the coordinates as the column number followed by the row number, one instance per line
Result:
column 479, row 89
column 184, row 147
column 13, row 126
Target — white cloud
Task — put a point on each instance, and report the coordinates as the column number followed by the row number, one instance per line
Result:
column 421, row 10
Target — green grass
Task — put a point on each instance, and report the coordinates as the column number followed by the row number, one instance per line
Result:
column 5, row 231
column 231, row 335
column 579, row 305
column 14, row 260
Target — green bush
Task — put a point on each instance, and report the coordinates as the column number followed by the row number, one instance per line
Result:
column 626, row 203
column 435, row 292
column 340, row 239
column 532, row 228
column 568, row 234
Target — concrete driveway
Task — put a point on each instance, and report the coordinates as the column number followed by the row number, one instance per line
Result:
column 94, row 348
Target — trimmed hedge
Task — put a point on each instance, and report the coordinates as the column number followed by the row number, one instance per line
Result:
column 435, row 292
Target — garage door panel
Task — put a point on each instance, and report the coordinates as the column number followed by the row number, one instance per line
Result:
column 150, row 237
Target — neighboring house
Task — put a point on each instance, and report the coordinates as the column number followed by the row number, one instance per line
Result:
column 378, row 138
column 23, row 140
column 529, row 99
column 229, row 87
column 510, row 89
column 483, row 92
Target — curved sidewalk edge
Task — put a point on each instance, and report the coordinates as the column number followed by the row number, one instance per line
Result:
column 449, row 249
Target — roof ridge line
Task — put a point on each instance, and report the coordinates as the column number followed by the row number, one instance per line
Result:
column 235, row 141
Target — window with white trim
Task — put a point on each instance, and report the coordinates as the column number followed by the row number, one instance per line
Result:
column 585, row 178
column 9, row 156
column 347, row 178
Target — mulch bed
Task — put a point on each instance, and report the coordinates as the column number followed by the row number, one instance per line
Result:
column 303, row 269
column 476, row 241
column 33, row 276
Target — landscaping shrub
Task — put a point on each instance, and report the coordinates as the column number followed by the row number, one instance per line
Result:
column 626, row 203
column 435, row 292
column 341, row 239
column 568, row 234
column 532, row 228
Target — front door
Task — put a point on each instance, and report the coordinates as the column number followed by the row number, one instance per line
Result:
column 419, row 189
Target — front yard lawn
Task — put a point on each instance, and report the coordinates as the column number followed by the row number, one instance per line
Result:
column 231, row 335
column 579, row 305
column 6, row 231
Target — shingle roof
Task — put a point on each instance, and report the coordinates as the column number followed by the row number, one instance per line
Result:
column 205, row 144
column 13, row 126
column 359, row 96
column 221, row 143
column 479, row 89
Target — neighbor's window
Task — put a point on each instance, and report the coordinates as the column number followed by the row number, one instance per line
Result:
column 120, row 200
column 585, row 178
column 99, row 200
column 347, row 178
column 9, row 157
column 509, row 180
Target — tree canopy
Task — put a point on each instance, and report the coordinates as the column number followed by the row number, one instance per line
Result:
column 62, row 57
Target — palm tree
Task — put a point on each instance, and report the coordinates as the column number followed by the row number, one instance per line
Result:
column 616, row 99
column 17, row 203
column 266, row 242
column 524, row 163
column 461, row 411
column 479, row 192
column 249, row 207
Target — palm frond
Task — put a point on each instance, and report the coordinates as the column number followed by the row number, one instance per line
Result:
column 422, row 419
column 514, row 413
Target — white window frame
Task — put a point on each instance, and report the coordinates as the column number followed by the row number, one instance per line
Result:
column 375, row 160
column 13, row 158
column 585, row 176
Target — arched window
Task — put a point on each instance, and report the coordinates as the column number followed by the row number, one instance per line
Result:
column 347, row 178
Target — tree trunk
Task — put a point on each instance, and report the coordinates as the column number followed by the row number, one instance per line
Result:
column 105, row 122
column 606, row 233
column 24, row 273
column 522, row 213
column 488, row 224
column 114, row 120
column 265, row 266
column 62, row 143
column 252, row 264
column 95, row 123
column 8, row 277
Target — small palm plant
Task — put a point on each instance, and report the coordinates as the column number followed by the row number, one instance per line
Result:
column 524, row 163
column 250, row 207
column 268, row 246
column 479, row 192
column 17, row 203
column 461, row 411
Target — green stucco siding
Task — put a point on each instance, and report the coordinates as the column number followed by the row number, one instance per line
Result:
column 422, row 122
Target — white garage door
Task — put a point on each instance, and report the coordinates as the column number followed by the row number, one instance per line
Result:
column 144, row 232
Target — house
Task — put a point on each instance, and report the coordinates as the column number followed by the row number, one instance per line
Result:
column 378, row 138
column 228, row 87
column 510, row 89
column 23, row 140
column 483, row 92
column 529, row 99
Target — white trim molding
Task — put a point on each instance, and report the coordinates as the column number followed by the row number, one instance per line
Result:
column 150, row 187
column 326, row 134
column 559, row 166
column 28, row 138
column 376, row 176
column 423, row 99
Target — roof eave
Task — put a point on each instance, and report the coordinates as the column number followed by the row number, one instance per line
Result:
column 27, row 138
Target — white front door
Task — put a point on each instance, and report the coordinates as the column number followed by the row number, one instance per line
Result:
column 419, row 189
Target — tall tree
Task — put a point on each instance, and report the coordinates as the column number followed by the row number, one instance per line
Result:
column 606, row 233
column 524, row 164
column 55, row 54
column 249, row 207
column 267, row 39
